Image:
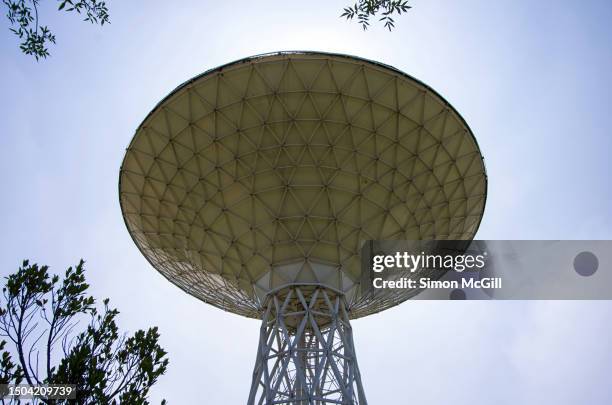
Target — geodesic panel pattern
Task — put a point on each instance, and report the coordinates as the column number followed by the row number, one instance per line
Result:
column 273, row 171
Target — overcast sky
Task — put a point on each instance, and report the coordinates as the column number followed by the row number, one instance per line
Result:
column 532, row 78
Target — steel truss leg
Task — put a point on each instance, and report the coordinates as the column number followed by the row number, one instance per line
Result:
column 306, row 354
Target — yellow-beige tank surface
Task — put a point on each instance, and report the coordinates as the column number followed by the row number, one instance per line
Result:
column 273, row 170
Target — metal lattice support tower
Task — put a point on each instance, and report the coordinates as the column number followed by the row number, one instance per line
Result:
column 306, row 354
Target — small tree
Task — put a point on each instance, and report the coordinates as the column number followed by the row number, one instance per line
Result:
column 364, row 9
column 23, row 16
column 40, row 317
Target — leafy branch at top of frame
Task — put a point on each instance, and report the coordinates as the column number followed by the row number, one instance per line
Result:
column 35, row 38
column 363, row 10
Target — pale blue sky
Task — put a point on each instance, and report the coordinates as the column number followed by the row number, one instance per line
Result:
column 532, row 78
